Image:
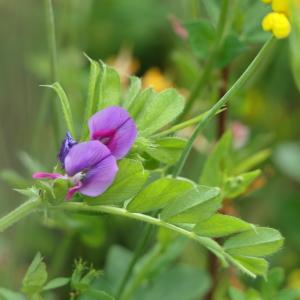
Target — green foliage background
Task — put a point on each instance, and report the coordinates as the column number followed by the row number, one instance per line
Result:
column 269, row 107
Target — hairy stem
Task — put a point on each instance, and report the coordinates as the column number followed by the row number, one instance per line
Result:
column 205, row 75
column 19, row 213
column 84, row 208
column 237, row 86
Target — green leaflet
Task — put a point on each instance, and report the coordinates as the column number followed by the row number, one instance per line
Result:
column 129, row 180
column 186, row 280
column 253, row 161
column 133, row 91
column 161, row 110
column 65, row 104
column 56, row 283
column 96, row 295
column 91, row 97
column 167, row 150
column 217, row 163
column 109, row 87
column 136, row 107
column 256, row 265
column 6, row 294
column 202, row 36
column 36, row 276
column 221, row 225
column 262, row 241
column 195, row 205
column 157, row 194
column 235, row 186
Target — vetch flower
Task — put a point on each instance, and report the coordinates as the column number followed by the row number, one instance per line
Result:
column 113, row 127
column 90, row 168
column 66, row 145
column 278, row 24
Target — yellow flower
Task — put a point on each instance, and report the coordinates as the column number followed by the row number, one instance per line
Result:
column 281, row 6
column 278, row 24
column 155, row 79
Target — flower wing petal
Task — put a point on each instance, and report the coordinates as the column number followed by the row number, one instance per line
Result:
column 85, row 156
column 114, row 127
column 99, row 178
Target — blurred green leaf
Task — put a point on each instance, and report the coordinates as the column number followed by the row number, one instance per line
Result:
column 56, row 283
column 129, row 181
column 262, row 241
column 14, row 179
column 6, row 294
column 91, row 97
column 202, row 36
column 167, row 150
column 145, row 96
column 221, row 225
column 235, row 186
column 161, row 110
column 65, row 104
column 186, row 280
column 217, row 164
column 36, row 276
column 109, row 87
column 96, row 295
column 133, row 91
column 232, row 47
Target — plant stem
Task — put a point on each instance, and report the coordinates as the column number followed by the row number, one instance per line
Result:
column 51, row 39
column 180, row 126
column 53, row 63
column 19, row 213
column 84, row 208
column 205, row 75
column 240, row 83
column 138, row 251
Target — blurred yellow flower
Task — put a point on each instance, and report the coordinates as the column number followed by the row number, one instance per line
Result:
column 155, row 79
column 278, row 24
column 277, row 21
column 294, row 279
column 281, row 6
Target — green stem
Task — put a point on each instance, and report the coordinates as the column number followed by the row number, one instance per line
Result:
column 84, row 208
column 53, row 64
column 19, row 213
column 182, row 125
column 205, row 75
column 51, row 39
column 240, row 83
column 138, row 251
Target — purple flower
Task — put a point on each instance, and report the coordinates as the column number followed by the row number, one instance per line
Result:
column 66, row 145
column 90, row 167
column 113, row 127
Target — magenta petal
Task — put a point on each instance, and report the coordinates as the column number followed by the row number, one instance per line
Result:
column 85, row 156
column 45, row 175
column 114, row 127
column 73, row 190
column 99, row 178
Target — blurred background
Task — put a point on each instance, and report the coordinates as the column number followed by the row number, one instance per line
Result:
column 146, row 38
